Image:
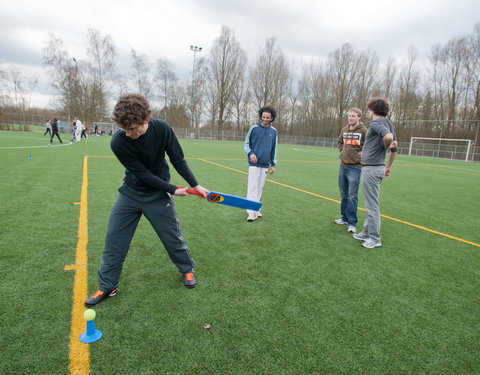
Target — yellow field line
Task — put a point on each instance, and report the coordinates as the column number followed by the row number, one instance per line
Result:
column 79, row 352
column 337, row 201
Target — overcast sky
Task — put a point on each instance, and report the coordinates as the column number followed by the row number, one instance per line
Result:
column 304, row 29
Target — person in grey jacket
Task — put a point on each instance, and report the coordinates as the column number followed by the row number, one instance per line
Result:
column 261, row 149
column 380, row 138
column 350, row 143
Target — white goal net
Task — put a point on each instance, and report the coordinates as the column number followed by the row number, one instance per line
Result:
column 447, row 148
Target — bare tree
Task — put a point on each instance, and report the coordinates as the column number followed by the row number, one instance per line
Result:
column 269, row 78
column 166, row 79
column 226, row 67
column 102, row 70
column 18, row 87
column 198, row 91
column 140, row 74
column 388, row 82
column 4, row 91
column 451, row 73
column 84, row 85
column 365, row 78
column 342, row 69
column 293, row 97
column 171, row 94
column 63, row 74
column 241, row 97
column 407, row 101
column 474, row 42
column 315, row 108
column 31, row 83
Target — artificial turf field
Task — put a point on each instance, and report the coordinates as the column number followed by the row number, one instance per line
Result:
column 291, row 293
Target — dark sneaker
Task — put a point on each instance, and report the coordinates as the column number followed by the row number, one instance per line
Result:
column 99, row 296
column 189, row 280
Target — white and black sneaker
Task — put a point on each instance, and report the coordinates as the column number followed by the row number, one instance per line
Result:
column 340, row 221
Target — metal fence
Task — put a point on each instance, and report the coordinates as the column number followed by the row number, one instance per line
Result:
column 446, row 151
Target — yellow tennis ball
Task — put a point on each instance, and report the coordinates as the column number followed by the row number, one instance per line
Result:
column 89, row 314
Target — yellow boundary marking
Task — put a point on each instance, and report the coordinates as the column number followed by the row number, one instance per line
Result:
column 337, row 201
column 79, row 352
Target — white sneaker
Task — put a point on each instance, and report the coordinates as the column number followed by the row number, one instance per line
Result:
column 340, row 221
column 360, row 236
column 371, row 243
column 258, row 214
column 351, row 229
column 251, row 217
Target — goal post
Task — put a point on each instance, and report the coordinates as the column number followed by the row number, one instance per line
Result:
column 441, row 147
column 105, row 127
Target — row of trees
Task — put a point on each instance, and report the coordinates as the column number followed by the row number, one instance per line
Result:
column 438, row 97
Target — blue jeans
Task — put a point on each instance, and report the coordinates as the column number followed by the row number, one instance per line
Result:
column 348, row 182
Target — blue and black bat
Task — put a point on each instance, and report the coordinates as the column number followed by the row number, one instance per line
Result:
column 229, row 200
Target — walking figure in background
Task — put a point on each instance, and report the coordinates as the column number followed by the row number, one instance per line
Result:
column 55, row 131
column 48, row 128
column 79, row 127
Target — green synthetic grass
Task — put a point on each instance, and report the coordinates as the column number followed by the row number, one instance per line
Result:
column 291, row 293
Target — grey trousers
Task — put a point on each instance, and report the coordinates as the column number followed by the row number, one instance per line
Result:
column 122, row 224
column 372, row 177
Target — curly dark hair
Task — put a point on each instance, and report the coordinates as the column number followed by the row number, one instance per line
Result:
column 267, row 109
column 378, row 106
column 131, row 109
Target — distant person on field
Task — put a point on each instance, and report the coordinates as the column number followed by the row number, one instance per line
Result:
column 84, row 132
column 74, row 129
column 79, row 127
column 350, row 142
column 141, row 145
column 55, row 131
column 261, row 149
column 48, row 128
column 380, row 138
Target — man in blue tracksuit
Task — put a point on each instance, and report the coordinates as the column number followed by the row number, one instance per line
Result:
column 261, row 148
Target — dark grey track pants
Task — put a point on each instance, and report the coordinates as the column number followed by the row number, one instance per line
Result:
column 122, row 224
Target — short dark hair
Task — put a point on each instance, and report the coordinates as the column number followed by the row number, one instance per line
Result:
column 378, row 106
column 131, row 109
column 267, row 109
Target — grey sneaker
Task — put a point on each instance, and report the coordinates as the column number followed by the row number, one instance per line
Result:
column 351, row 229
column 360, row 236
column 251, row 217
column 371, row 243
column 189, row 280
column 340, row 221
